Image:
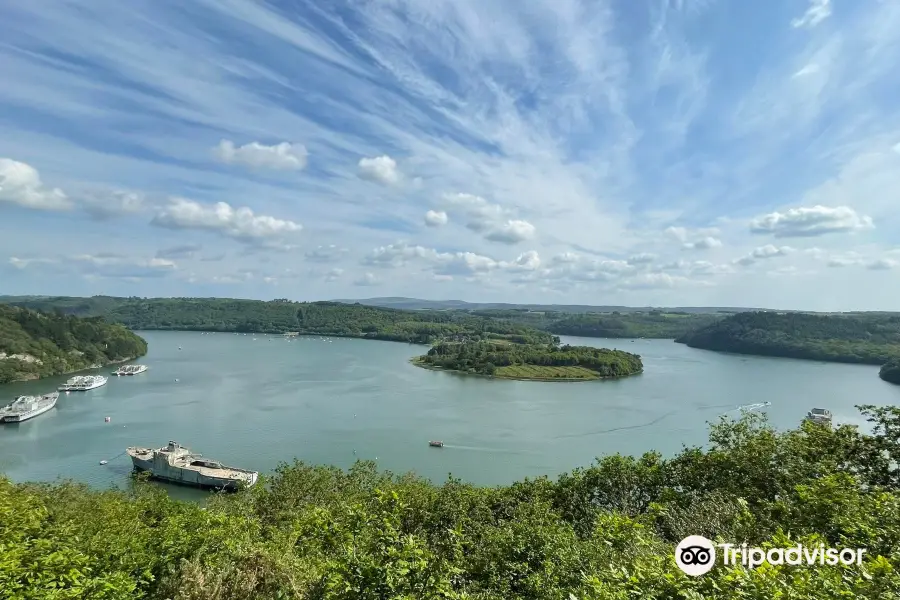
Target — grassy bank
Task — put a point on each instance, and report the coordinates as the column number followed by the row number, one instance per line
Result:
column 522, row 372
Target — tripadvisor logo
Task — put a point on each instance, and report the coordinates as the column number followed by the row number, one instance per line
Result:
column 696, row 555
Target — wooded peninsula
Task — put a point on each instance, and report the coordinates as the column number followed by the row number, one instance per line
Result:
column 35, row 344
column 872, row 338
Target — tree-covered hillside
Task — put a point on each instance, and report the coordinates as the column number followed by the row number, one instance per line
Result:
column 605, row 532
column 890, row 372
column 654, row 324
column 278, row 316
column 34, row 344
column 631, row 324
column 857, row 338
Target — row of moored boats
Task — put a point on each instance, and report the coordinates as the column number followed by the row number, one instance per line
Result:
column 28, row 407
column 83, row 383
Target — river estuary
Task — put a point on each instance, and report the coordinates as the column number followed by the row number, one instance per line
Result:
column 254, row 401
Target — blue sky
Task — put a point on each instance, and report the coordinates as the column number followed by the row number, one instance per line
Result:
column 681, row 152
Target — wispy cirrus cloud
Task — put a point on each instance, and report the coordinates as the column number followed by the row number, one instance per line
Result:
column 589, row 133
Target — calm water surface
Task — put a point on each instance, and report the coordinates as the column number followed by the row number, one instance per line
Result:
column 256, row 401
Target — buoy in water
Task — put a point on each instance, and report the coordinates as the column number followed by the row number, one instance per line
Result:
column 176, row 380
column 106, row 419
column 103, row 462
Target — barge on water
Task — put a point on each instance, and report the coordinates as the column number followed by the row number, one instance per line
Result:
column 176, row 464
column 130, row 370
column 27, row 407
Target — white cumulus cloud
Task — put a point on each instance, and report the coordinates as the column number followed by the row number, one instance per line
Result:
column 493, row 221
column 764, row 252
column 238, row 223
column 811, row 221
column 511, row 232
column 436, row 218
column 381, row 169
column 695, row 239
column 21, row 184
column 284, row 156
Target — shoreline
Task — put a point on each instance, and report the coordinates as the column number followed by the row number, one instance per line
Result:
column 89, row 368
column 416, row 362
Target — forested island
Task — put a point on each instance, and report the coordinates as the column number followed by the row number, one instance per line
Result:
column 890, row 372
column 544, row 362
column 605, row 532
column 853, row 338
column 35, row 344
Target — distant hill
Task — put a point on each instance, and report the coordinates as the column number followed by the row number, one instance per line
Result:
column 282, row 315
column 417, row 304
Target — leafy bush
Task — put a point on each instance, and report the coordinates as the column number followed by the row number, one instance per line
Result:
column 607, row 531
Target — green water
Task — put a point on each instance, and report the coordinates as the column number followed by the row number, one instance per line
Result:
column 253, row 402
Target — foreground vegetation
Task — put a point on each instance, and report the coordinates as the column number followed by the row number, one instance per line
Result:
column 857, row 338
column 531, row 361
column 890, row 372
column 34, row 345
column 606, row 532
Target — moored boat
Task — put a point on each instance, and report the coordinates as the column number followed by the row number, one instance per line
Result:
column 90, row 382
column 821, row 416
column 130, row 370
column 71, row 384
column 27, row 407
column 178, row 464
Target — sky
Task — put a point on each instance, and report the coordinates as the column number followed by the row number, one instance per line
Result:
column 665, row 152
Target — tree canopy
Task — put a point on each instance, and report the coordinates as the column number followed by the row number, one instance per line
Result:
column 35, row 344
column 281, row 315
column 607, row 531
column 224, row 314
column 546, row 361
column 890, row 372
column 855, row 338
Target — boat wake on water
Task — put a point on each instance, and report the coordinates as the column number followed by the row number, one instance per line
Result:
column 483, row 449
column 622, row 428
column 748, row 407
column 743, row 407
